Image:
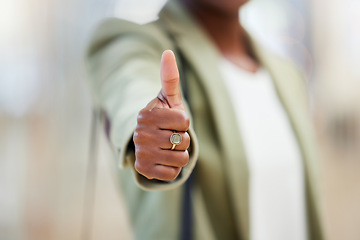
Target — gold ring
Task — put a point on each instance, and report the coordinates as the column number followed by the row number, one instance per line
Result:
column 175, row 139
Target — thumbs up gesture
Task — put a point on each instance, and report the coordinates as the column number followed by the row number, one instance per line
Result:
column 160, row 137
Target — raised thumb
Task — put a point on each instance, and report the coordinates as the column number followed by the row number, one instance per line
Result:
column 169, row 74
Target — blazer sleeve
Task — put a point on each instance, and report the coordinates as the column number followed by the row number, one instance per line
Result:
column 123, row 62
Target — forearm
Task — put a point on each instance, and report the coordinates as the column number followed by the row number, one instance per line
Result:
column 124, row 80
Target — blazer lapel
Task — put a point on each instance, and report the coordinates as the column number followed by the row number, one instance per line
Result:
column 291, row 89
column 202, row 56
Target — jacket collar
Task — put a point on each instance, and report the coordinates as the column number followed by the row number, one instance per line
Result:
column 203, row 56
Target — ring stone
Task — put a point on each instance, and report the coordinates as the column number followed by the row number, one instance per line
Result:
column 175, row 138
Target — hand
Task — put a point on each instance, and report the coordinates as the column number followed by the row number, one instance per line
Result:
column 164, row 115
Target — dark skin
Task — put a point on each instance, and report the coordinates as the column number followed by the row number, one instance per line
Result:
column 166, row 114
column 220, row 20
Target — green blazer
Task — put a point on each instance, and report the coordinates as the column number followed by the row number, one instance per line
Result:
column 124, row 65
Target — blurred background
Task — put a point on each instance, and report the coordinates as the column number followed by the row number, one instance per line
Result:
column 45, row 110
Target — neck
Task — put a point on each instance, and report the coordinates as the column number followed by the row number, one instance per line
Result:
column 225, row 30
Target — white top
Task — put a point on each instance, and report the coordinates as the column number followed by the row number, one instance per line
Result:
column 277, row 197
